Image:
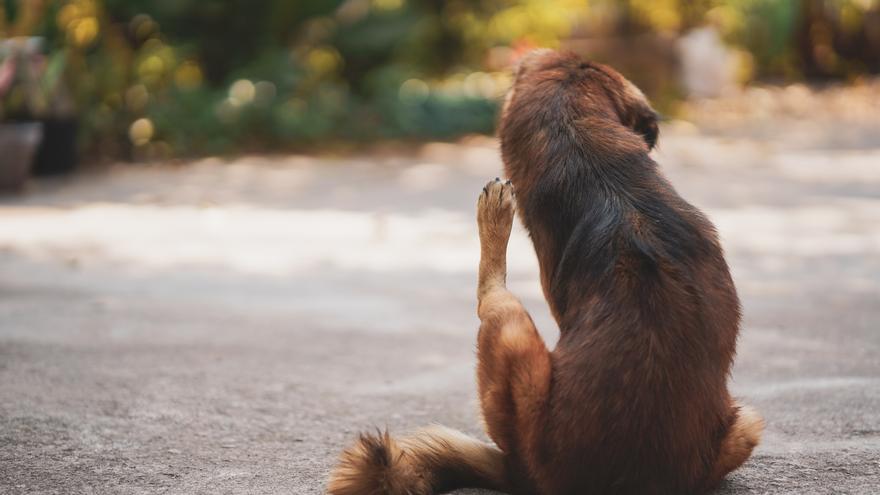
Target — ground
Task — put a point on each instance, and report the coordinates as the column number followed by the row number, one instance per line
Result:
column 228, row 327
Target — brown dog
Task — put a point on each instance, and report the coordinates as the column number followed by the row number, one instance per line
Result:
column 634, row 398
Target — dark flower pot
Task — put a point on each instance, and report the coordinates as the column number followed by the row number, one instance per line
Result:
column 18, row 142
column 57, row 151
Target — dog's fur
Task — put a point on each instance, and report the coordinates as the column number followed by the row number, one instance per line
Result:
column 634, row 398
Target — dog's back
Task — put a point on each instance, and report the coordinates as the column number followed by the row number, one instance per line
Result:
column 648, row 331
column 637, row 281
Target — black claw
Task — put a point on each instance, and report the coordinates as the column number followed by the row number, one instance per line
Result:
column 497, row 179
column 485, row 191
column 507, row 182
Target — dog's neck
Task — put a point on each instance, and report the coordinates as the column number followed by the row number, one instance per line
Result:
column 572, row 206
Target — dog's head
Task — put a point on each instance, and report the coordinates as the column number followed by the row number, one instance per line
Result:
column 560, row 85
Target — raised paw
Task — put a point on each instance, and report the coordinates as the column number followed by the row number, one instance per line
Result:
column 495, row 213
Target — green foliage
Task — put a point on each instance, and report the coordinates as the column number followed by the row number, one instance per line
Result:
column 182, row 77
column 791, row 39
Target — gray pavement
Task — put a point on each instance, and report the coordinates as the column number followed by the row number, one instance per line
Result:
column 227, row 327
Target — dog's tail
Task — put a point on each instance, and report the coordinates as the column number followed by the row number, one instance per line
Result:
column 433, row 460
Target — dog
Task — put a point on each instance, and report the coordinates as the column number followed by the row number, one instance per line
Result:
column 634, row 398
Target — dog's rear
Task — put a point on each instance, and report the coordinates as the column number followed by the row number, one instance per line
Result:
column 633, row 400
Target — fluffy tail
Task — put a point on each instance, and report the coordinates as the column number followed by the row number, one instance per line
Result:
column 433, row 460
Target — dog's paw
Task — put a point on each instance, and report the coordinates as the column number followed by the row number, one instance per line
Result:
column 495, row 211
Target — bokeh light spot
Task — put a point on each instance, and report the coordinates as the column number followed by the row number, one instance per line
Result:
column 242, row 92
column 387, row 4
column 414, row 91
column 188, row 75
column 141, row 131
column 324, row 60
column 85, row 31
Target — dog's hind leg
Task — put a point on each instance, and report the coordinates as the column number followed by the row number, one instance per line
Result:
column 513, row 373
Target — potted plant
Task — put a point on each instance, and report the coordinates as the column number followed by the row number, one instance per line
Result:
column 18, row 138
column 33, row 91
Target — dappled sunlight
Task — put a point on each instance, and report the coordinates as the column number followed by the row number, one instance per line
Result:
column 413, row 211
column 275, row 242
column 391, row 210
column 395, row 174
column 253, row 240
column 852, row 229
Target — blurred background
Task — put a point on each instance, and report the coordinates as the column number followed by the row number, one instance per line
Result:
column 233, row 233
column 155, row 79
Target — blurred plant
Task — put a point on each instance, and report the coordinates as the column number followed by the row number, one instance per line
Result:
column 785, row 38
column 30, row 82
column 156, row 78
column 160, row 78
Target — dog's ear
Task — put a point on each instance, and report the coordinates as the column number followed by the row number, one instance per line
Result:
column 636, row 112
column 646, row 125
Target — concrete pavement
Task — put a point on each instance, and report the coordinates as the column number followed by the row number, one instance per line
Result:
column 229, row 327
